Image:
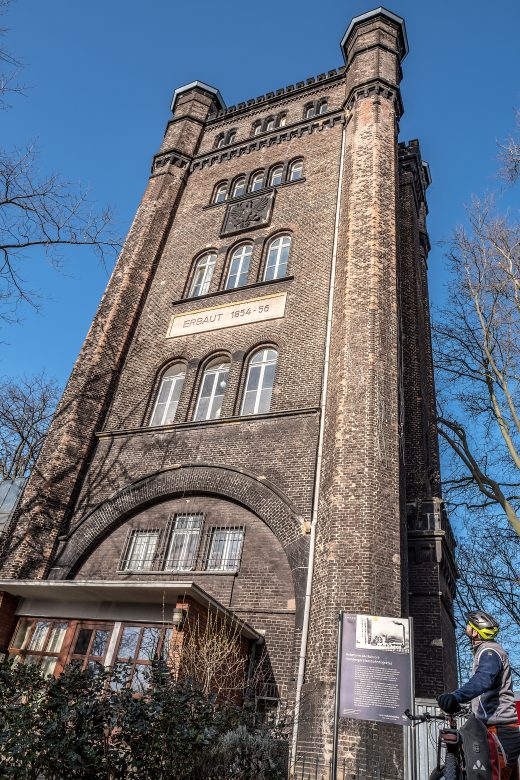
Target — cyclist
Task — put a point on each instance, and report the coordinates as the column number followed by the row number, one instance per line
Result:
column 489, row 689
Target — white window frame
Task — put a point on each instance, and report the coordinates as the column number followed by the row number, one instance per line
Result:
column 240, row 182
column 142, row 562
column 283, row 121
column 310, row 111
column 270, row 124
column 242, row 254
column 201, row 282
column 260, row 358
column 174, row 379
column 220, row 193
column 216, row 369
column 189, row 549
column 323, row 106
column 296, row 165
column 277, row 170
column 223, row 561
column 274, row 252
column 257, row 129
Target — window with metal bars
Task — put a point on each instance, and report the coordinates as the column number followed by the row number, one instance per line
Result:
column 224, row 549
column 139, row 552
column 183, row 541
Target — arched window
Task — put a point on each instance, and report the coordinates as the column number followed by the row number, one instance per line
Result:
column 220, row 141
column 282, row 121
column 212, row 389
column 239, row 267
column 231, row 136
column 203, row 274
column 168, row 395
column 269, row 125
column 322, row 106
column 257, row 182
column 239, row 187
column 257, row 128
column 310, row 110
column 259, row 382
column 220, row 192
column 296, row 170
column 276, row 176
column 277, row 256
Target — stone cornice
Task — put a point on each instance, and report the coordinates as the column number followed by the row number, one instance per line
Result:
column 280, row 94
column 379, row 87
column 276, row 137
column 221, row 421
column 170, row 157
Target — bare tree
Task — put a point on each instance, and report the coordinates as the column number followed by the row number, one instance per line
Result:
column 510, row 155
column 39, row 212
column 478, row 362
column 9, row 67
column 42, row 212
column 489, row 566
column 26, row 409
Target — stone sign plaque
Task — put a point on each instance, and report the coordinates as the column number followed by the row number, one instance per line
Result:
column 269, row 307
column 248, row 214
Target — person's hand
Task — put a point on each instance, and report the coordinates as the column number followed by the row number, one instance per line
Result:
column 448, row 703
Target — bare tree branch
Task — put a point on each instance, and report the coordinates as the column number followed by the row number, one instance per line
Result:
column 26, row 410
column 510, row 155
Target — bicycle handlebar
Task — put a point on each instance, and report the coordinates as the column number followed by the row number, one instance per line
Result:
column 427, row 717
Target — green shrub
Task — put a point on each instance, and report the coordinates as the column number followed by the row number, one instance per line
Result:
column 87, row 724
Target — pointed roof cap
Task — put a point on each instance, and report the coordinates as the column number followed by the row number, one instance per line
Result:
column 384, row 12
column 219, row 100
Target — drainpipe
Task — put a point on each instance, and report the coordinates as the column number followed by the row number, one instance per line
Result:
column 317, row 478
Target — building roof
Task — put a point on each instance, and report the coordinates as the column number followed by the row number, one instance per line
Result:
column 108, row 598
column 381, row 11
column 200, row 85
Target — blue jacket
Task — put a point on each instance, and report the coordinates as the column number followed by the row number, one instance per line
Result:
column 490, row 689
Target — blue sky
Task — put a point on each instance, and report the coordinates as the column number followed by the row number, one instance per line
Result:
column 102, row 74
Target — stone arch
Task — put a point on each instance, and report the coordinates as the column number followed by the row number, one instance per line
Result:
column 251, row 492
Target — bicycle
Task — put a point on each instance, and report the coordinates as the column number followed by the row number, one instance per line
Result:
column 449, row 742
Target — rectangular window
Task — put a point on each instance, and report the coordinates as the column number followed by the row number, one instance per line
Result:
column 225, row 549
column 184, row 541
column 140, row 549
column 40, row 642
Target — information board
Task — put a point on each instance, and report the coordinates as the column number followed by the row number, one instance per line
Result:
column 375, row 675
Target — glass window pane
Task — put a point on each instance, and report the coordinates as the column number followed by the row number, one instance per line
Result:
column 57, row 635
column 82, row 641
column 21, row 633
column 257, row 182
column 140, row 679
column 296, row 171
column 142, row 549
column 99, row 645
column 129, row 640
column 239, row 188
column 203, row 275
column 276, row 176
column 149, row 643
column 48, row 665
column 212, row 391
column 39, row 636
column 323, row 106
column 259, row 382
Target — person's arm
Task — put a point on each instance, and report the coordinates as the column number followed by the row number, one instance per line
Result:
column 486, row 673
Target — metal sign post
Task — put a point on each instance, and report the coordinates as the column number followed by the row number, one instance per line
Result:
column 334, row 773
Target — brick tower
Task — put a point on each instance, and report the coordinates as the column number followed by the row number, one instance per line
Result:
column 250, row 420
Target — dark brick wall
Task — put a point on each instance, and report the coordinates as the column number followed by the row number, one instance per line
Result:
column 262, row 592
